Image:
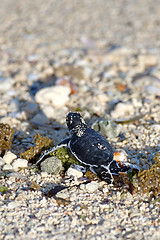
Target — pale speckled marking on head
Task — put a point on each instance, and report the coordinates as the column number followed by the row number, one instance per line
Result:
column 78, row 130
column 80, row 133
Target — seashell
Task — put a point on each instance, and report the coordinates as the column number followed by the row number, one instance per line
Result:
column 120, row 156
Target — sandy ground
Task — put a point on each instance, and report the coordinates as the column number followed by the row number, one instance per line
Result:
column 111, row 52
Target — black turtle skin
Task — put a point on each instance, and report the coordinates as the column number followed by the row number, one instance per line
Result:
column 89, row 147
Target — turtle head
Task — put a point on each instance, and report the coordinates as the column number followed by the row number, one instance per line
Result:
column 75, row 123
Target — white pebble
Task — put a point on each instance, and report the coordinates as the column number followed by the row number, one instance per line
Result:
column 83, row 186
column 1, row 161
column 20, row 163
column 56, row 96
column 156, row 127
column 12, row 205
column 33, row 77
column 122, row 110
column 6, row 84
column 154, row 90
column 9, row 157
column 147, row 60
column 49, row 111
column 44, row 174
column 63, row 194
column 7, row 167
column 72, row 172
column 92, row 187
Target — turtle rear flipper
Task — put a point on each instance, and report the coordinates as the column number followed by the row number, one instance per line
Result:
column 103, row 173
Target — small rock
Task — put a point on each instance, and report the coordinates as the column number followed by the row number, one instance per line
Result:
column 6, row 84
column 9, row 157
column 16, row 175
column 14, row 105
column 107, row 128
column 73, row 172
column 17, row 115
column 39, row 119
column 49, row 111
column 44, row 174
column 63, row 194
column 122, row 109
column 20, row 77
column 51, row 165
column 56, row 96
column 33, row 58
column 33, row 77
column 31, row 108
column 147, row 60
column 101, row 98
column 19, row 163
column 12, row 205
column 7, row 167
column 83, row 186
column 92, row 186
column 154, row 90
column 87, row 72
column 156, row 127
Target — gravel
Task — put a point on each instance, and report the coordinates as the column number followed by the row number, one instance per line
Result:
column 106, row 54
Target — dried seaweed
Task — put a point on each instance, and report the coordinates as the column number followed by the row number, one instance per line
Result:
column 130, row 120
column 149, row 180
column 41, row 144
column 6, row 135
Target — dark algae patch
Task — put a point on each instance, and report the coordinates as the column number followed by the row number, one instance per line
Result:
column 149, row 180
column 41, row 144
column 66, row 157
column 6, row 135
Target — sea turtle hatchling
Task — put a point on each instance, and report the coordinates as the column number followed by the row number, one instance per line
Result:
column 90, row 148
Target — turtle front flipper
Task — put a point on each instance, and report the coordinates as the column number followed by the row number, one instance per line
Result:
column 64, row 143
column 106, row 172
